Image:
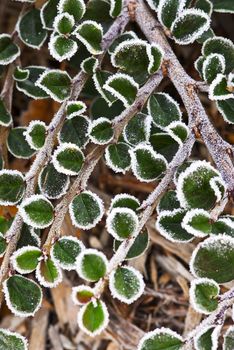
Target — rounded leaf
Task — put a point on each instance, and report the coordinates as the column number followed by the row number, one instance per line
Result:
column 213, row 65
column 76, row 8
column 140, row 245
column 12, row 341
column 28, row 86
column 68, row 159
column 138, row 129
column 63, row 23
column 48, row 273
column 12, row 187
column 122, row 223
column 161, row 338
column 5, row 115
column 197, row 222
column 204, row 295
column 17, row 144
column 82, row 294
column 124, row 200
column 117, row 157
column 25, row 259
column 61, row 47
column 90, row 34
column 91, row 265
column 100, row 131
column 35, row 134
column 75, row 130
column 9, row 51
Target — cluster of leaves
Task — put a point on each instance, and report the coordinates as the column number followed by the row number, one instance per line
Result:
column 147, row 145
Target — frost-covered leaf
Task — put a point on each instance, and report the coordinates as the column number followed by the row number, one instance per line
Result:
column 5, row 115
column 82, row 294
column 207, row 338
column 91, row 265
column 128, row 35
column 117, row 157
column 223, row 225
column 155, row 54
column 75, row 108
column 123, row 87
column 64, row 23
column 28, row 86
column 204, row 295
column 3, row 244
column 17, row 144
column 141, row 243
column 52, row 183
column 214, row 259
column 61, row 47
column 20, row 74
column 165, row 144
column 28, row 236
column 48, row 13
column 223, row 47
column 198, row 64
column 178, row 130
column 213, row 65
column 93, row 318
column 168, row 10
column 89, row 65
column 122, row 223
column 124, row 200
column 35, row 134
column 48, row 273
column 100, row 107
column 197, row 187
column 225, row 6
column 37, row 211
column 101, row 131
column 163, row 109
column 229, row 335
column 65, row 252
column 168, row 224
column 204, row 5
column 161, row 338
column 115, row 7
column 197, row 222
column 25, row 259
column 23, row 296
column 206, row 35
column 99, row 79
column 9, row 51
column 12, row 341
column 75, row 131
column 68, row 159
column 12, row 187
column 219, row 89
column 146, row 164
column 56, row 83
column 189, row 26
column 30, row 29
column 226, row 108
column 86, row 210
column 75, row 8
column 168, row 202
column 90, row 34
column 126, row 284
column 138, row 129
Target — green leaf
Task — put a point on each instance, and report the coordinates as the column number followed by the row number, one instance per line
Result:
column 197, row 222
column 76, row 8
column 100, row 107
column 206, row 35
column 9, row 51
column 86, row 210
column 12, row 187
column 23, row 296
column 28, row 86
column 65, row 252
column 161, row 338
column 226, row 108
column 75, row 130
column 5, row 116
column 91, row 265
column 229, row 339
column 223, row 47
column 20, row 74
column 117, row 157
column 163, row 109
column 36, row 134
column 204, row 295
column 204, row 5
column 37, row 211
column 164, row 144
column 168, row 224
column 17, row 144
column 207, row 338
column 198, row 64
column 223, row 225
column 82, row 294
column 122, row 223
column 219, row 89
column 123, row 87
column 28, row 236
column 128, row 35
column 115, row 7
column 99, row 79
column 75, row 108
column 138, row 248
column 101, row 131
column 168, row 10
column 48, row 13
column 214, row 258
column 93, row 318
column 89, row 65
column 126, row 284
column 178, row 130
column 64, row 23
column 31, row 30
column 52, row 183
column 56, row 83
column 146, row 164
column 138, row 129
column 168, row 202
column 48, row 273
column 26, row 259
column 225, row 6
column 125, row 200
column 61, row 47
column 68, row 159
column 12, row 341
column 90, row 34
column 3, row 245
column 189, row 26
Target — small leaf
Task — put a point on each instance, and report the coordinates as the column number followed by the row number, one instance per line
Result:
column 163, row 109
column 5, row 116
column 20, row 74
column 128, row 35
column 146, row 164
column 17, row 144
column 37, row 211
column 204, row 295
column 101, row 131
column 65, row 252
column 229, row 339
column 122, row 223
column 140, row 245
column 48, row 13
column 52, row 183
column 26, row 259
column 89, row 65
column 68, row 159
column 12, row 187
column 30, row 29
column 226, row 108
column 82, row 294
column 168, row 202
column 161, row 338
column 12, row 341
column 138, row 129
column 23, row 296
column 90, row 34
column 48, row 273
column 117, row 157
column 124, row 200
column 198, row 64
column 225, row 6
column 62, row 47
column 165, row 144
column 86, row 210
column 178, row 130
column 169, row 10
column 75, row 108
column 9, row 51
column 115, row 7
column 64, row 23
column 28, row 236
column 35, row 134
column 126, row 284
column 189, row 26
column 28, row 86
column 91, row 265
column 207, row 338
column 197, row 222
column 204, row 5
column 219, row 89
column 93, row 318
column 75, row 8
column 214, row 258
column 99, row 79
column 75, row 131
